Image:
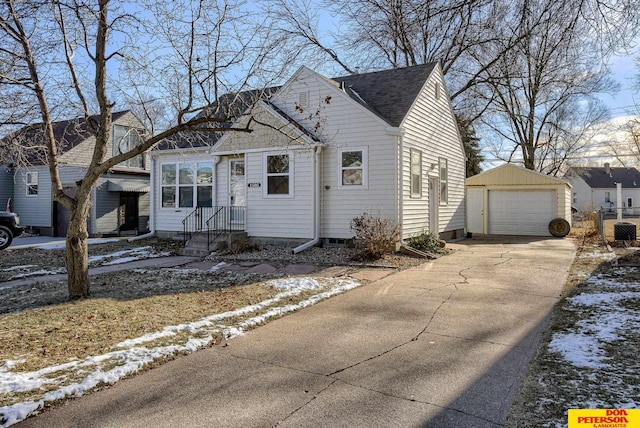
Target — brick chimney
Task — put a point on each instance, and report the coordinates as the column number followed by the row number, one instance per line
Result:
column 607, row 168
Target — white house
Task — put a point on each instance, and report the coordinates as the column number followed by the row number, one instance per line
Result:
column 321, row 152
column 596, row 187
column 120, row 200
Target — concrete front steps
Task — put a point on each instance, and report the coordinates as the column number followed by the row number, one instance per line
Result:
column 197, row 244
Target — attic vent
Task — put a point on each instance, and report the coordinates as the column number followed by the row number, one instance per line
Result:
column 437, row 91
column 303, row 99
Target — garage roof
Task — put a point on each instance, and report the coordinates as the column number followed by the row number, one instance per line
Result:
column 509, row 174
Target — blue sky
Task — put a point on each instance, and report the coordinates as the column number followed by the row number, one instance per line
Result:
column 623, row 103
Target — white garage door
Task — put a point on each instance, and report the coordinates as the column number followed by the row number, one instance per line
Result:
column 521, row 212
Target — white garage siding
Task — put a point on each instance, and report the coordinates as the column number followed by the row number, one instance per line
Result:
column 512, row 200
column 521, row 212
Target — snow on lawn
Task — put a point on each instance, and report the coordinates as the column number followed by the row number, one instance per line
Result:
column 115, row 258
column 125, row 256
column 601, row 340
column 131, row 356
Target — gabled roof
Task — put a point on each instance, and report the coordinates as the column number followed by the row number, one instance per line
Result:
column 513, row 175
column 68, row 134
column 388, row 93
column 599, row 178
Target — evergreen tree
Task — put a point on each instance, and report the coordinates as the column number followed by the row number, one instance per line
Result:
column 471, row 146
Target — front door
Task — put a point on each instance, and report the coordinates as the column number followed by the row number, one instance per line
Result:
column 237, row 190
column 434, row 186
column 128, row 211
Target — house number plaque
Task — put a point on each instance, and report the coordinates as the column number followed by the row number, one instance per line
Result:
column 253, row 185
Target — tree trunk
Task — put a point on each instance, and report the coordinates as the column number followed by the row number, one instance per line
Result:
column 77, row 257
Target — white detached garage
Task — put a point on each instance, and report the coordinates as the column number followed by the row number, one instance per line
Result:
column 511, row 200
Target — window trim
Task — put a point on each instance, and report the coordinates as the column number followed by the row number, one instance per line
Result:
column 413, row 194
column 130, row 133
column 194, row 186
column 30, row 183
column 365, row 168
column 266, row 175
column 443, row 196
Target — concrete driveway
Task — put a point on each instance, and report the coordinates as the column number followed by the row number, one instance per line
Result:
column 445, row 344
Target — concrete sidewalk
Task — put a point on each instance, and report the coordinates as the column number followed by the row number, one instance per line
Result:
column 445, row 344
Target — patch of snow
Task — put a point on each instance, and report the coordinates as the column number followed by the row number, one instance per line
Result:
column 131, row 357
column 12, row 268
column 582, row 346
column 39, row 273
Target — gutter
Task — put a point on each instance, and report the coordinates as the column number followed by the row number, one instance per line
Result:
column 316, row 211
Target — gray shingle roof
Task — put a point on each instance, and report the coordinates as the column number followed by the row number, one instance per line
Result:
column 388, row 93
column 598, row 178
column 68, row 134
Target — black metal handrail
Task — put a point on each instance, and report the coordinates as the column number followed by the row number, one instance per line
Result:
column 195, row 221
column 225, row 219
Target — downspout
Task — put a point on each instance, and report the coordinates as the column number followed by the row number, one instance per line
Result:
column 152, row 205
column 316, row 211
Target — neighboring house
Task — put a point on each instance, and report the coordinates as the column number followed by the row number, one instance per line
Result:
column 322, row 152
column 595, row 187
column 6, row 185
column 120, row 199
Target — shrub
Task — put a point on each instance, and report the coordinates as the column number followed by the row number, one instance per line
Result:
column 375, row 236
column 427, row 242
column 244, row 245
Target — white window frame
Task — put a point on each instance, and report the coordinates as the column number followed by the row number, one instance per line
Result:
column 444, row 181
column 413, row 192
column 31, row 180
column 364, row 167
column 130, row 139
column 177, row 185
column 266, row 175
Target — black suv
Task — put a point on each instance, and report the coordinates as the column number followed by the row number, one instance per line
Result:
column 9, row 228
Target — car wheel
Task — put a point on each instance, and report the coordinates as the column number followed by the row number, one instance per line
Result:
column 5, row 237
column 559, row 227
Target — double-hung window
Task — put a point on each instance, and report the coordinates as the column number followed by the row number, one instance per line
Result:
column 125, row 139
column 444, row 182
column 279, row 175
column 32, row 183
column 187, row 185
column 353, row 167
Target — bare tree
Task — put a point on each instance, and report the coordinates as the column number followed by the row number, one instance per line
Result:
column 84, row 58
column 543, row 90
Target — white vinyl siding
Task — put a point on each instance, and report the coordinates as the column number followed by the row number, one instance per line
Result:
column 345, row 125
column 430, row 127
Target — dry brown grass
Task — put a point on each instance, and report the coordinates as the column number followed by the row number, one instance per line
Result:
column 40, row 328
